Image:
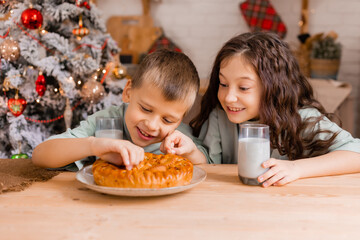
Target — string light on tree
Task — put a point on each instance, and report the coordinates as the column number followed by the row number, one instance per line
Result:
column 79, row 83
column 99, row 75
column 42, row 32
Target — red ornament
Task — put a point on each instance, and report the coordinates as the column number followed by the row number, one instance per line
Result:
column 83, row 3
column 40, row 84
column 16, row 105
column 32, row 18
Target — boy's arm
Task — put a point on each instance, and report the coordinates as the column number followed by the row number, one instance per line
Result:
column 180, row 144
column 86, row 129
column 63, row 151
column 197, row 156
column 60, row 152
column 187, row 131
column 201, row 149
column 66, row 148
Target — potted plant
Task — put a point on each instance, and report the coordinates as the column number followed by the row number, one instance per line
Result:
column 325, row 57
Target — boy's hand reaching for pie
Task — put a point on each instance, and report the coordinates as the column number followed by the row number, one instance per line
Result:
column 178, row 143
column 182, row 145
column 118, row 152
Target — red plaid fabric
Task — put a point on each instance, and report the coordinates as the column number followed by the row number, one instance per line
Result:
column 164, row 42
column 260, row 15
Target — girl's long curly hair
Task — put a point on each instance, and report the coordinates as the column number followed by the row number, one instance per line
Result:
column 285, row 91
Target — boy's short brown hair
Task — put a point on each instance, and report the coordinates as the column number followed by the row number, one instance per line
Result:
column 172, row 72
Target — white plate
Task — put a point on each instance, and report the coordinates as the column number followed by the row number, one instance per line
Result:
column 86, row 177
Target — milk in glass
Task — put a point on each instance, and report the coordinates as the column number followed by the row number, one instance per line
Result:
column 109, row 133
column 109, row 127
column 252, row 152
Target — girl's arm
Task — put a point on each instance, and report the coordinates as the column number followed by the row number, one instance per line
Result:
column 333, row 163
column 344, row 157
column 282, row 172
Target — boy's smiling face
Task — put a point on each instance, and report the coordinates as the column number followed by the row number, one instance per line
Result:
column 149, row 117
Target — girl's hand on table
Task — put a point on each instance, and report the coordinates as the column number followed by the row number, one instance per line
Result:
column 280, row 172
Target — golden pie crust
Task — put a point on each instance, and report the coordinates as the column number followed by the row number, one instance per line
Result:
column 155, row 171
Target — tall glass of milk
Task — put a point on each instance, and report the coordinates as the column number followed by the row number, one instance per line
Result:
column 109, row 127
column 253, row 150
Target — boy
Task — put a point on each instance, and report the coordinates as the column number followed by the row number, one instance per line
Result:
column 155, row 101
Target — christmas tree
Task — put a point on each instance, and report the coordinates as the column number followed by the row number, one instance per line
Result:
column 58, row 65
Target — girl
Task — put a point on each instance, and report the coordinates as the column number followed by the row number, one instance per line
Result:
column 255, row 78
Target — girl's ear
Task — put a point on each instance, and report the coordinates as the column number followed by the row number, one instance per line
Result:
column 127, row 92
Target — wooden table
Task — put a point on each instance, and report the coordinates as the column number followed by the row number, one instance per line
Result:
column 218, row 208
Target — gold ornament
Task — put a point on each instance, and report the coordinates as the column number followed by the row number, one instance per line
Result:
column 81, row 31
column 119, row 71
column 7, row 84
column 10, row 50
column 92, row 91
column 27, row 71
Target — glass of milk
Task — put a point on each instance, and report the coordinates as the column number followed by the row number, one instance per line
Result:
column 253, row 150
column 109, row 127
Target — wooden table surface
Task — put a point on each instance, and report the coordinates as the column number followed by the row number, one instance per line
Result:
column 221, row 207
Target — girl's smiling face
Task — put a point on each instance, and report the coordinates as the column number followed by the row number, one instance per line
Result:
column 239, row 90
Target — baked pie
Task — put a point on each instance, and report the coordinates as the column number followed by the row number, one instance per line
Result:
column 155, row 171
